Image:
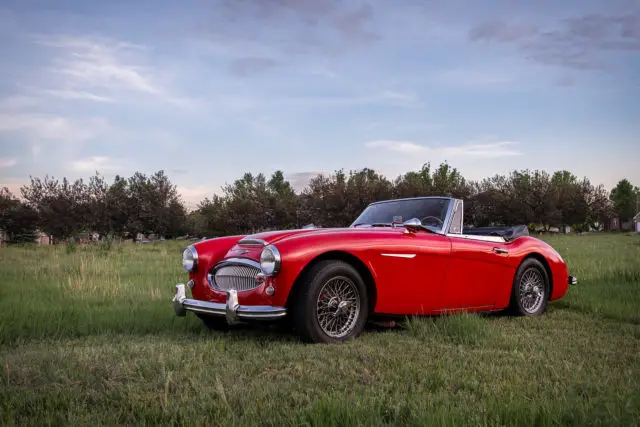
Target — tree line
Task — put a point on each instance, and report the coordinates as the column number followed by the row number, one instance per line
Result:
column 146, row 205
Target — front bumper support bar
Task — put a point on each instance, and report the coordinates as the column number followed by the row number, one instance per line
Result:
column 233, row 311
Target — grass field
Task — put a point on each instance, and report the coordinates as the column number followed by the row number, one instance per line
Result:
column 90, row 337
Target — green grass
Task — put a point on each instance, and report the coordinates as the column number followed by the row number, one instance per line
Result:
column 89, row 337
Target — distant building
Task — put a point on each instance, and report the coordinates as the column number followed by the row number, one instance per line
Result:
column 616, row 224
column 42, row 239
column 636, row 222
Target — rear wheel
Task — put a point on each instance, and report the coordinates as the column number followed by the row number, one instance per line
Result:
column 331, row 305
column 530, row 292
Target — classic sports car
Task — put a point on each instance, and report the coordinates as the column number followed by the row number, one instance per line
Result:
column 399, row 257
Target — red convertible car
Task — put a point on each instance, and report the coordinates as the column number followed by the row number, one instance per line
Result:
column 399, row 257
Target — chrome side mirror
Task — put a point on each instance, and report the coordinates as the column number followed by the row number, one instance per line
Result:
column 413, row 225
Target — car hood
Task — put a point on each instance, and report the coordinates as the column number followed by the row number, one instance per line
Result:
column 250, row 246
column 270, row 237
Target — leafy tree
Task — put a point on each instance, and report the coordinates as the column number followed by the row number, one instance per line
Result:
column 61, row 206
column 17, row 220
column 571, row 198
column 625, row 200
column 151, row 205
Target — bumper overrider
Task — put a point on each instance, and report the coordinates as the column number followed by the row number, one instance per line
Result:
column 573, row 281
column 232, row 310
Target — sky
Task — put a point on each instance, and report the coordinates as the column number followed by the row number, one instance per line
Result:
column 209, row 90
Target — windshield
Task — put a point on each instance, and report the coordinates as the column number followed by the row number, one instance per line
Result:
column 430, row 211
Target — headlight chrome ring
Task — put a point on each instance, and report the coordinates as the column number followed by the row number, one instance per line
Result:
column 270, row 260
column 190, row 259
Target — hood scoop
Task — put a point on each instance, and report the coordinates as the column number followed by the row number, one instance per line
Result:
column 251, row 241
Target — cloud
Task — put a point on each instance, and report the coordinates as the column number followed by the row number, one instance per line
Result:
column 50, row 127
column 18, row 102
column 502, row 32
column 7, row 162
column 104, row 70
column 281, row 29
column 351, row 25
column 77, row 94
column 385, row 97
column 96, row 163
column 299, row 180
column 100, row 62
column 566, row 81
column 480, row 150
column 13, row 186
column 577, row 43
column 245, row 67
column 192, row 196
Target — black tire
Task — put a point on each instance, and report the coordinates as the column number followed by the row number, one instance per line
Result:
column 214, row 323
column 530, row 270
column 304, row 308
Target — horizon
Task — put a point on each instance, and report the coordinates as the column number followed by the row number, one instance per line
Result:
column 207, row 93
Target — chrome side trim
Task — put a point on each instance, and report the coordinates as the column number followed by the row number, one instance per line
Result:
column 252, row 241
column 400, row 255
column 493, row 239
column 231, row 310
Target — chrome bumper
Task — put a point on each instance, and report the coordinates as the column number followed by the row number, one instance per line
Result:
column 573, row 281
column 233, row 311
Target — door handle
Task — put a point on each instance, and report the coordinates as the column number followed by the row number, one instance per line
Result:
column 500, row 251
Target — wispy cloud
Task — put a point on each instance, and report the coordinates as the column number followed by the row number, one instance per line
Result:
column 250, row 66
column 384, row 97
column 51, row 127
column 103, row 70
column 96, row 163
column 7, row 162
column 483, row 150
column 18, row 102
column 77, row 94
column 577, row 42
column 303, row 27
column 192, row 196
column 299, row 180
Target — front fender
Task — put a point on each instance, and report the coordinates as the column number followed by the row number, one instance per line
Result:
column 298, row 252
column 209, row 252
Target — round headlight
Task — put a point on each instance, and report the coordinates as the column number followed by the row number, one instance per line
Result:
column 270, row 260
column 190, row 259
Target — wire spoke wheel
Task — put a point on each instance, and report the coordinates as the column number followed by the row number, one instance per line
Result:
column 532, row 290
column 338, row 306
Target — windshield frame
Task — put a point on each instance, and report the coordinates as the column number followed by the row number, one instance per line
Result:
column 446, row 222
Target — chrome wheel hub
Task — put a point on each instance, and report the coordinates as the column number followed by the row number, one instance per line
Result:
column 338, row 306
column 531, row 290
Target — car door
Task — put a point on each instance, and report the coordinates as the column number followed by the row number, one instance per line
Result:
column 478, row 268
column 410, row 272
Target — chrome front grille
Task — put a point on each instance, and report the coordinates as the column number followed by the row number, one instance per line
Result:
column 241, row 277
